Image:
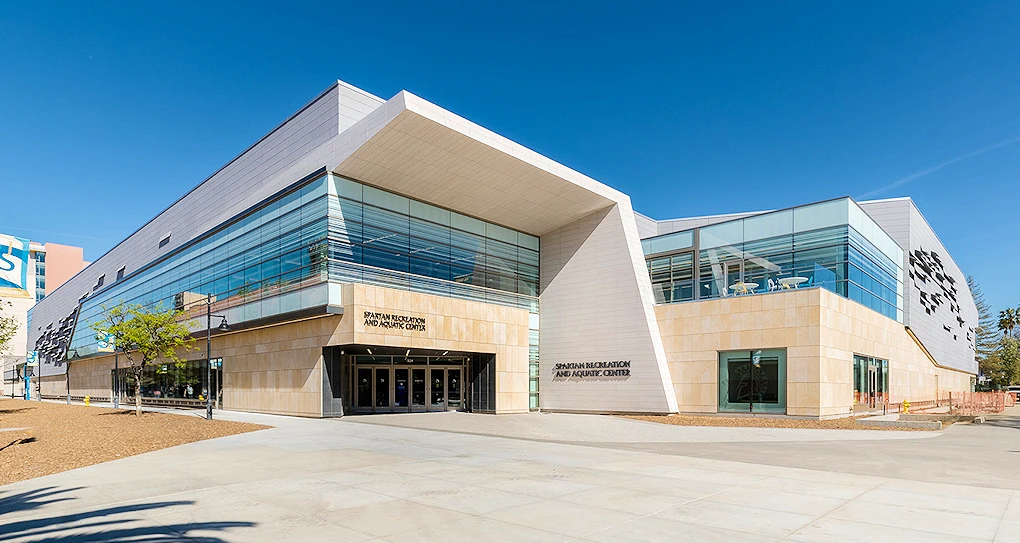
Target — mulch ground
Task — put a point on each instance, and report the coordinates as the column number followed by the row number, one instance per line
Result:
column 848, row 423
column 59, row 437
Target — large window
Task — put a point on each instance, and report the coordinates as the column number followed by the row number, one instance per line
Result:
column 752, row 381
column 270, row 261
column 384, row 231
column 816, row 245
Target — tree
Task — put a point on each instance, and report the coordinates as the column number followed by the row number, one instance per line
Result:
column 986, row 333
column 1009, row 352
column 1008, row 321
column 145, row 335
column 8, row 328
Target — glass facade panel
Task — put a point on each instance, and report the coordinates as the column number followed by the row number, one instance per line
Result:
column 246, row 267
column 277, row 258
column 721, row 235
column 768, row 225
column 669, row 242
column 821, row 215
column 779, row 251
column 401, row 243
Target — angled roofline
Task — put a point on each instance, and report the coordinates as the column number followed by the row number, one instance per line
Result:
column 336, row 84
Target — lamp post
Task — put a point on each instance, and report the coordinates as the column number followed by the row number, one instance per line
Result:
column 223, row 327
column 116, row 377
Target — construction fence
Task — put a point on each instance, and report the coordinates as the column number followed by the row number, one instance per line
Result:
column 960, row 403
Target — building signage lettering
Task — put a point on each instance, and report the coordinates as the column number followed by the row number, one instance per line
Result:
column 396, row 322
column 592, row 370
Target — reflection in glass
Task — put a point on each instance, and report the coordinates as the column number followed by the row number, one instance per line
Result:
column 436, row 392
column 418, row 387
column 364, row 387
column 400, row 387
column 453, row 387
column 382, row 387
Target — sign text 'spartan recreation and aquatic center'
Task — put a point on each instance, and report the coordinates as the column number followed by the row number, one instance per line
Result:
column 396, row 322
column 592, row 370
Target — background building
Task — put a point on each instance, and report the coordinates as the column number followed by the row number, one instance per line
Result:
column 26, row 269
column 387, row 255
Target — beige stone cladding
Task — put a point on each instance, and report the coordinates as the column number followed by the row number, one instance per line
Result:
column 450, row 324
column 52, row 386
column 820, row 331
column 278, row 368
column 275, row 369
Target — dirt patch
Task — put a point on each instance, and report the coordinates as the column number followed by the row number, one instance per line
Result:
column 58, row 437
column 848, row 423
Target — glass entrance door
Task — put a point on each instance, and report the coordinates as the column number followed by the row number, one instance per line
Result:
column 418, row 392
column 437, row 389
column 413, row 386
column 363, row 403
column 402, row 390
column 382, row 389
column 453, row 388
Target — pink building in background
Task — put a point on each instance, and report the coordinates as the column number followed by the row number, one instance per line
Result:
column 47, row 266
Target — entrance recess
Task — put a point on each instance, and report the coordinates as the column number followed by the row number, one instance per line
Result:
column 396, row 384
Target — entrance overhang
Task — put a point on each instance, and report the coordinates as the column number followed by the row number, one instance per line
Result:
column 417, row 149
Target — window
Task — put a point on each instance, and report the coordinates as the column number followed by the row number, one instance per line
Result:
column 164, row 241
column 100, row 281
column 120, row 273
column 746, row 386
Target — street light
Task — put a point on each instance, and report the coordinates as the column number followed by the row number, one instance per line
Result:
column 116, row 376
column 223, row 327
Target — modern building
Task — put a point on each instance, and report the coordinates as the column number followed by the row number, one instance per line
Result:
column 26, row 269
column 373, row 255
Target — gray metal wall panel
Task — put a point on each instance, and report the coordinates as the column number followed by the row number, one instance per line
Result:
column 937, row 324
column 300, row 145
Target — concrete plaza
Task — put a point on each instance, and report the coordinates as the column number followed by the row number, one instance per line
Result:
column 452, row 476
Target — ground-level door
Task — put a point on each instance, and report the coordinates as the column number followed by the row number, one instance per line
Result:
column 871, row 383
column 400, row 388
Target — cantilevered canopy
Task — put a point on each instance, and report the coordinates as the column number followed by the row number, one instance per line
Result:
column 417, row 149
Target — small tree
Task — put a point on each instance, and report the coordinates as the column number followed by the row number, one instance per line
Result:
column 8, row 327
column 146, row 335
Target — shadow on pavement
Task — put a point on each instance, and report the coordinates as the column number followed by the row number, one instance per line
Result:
column 112, row 523
column 1004, row 421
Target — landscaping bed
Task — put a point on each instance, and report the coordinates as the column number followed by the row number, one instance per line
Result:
column 846, row 423
column 40, row 438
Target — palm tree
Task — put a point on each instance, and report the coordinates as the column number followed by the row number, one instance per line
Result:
column 1009, row 319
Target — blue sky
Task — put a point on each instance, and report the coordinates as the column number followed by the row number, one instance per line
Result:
column 110, row 111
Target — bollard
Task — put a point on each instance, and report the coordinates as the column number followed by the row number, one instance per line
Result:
column 87, row 400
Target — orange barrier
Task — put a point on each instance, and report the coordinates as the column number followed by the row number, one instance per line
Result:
column 963, row 403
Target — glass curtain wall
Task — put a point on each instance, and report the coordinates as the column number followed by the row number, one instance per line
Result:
column 815, row 245
column 273, row 260
column 279, row 257
column 383, row 238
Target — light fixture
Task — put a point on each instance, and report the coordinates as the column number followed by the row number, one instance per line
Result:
column 224, row 327
column 408, row 353
column 444, row 353
column 341, row 352
column 369, row 351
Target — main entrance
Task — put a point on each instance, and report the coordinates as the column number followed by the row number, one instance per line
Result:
column 403, row 384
